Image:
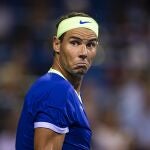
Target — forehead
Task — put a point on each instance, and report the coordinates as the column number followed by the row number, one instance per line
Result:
column 82, row 33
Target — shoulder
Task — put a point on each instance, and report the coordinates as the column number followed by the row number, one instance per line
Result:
column 50, row 89
column 48, row 82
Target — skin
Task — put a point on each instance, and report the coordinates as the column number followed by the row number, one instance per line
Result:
column 73, row 57
column 46, row 139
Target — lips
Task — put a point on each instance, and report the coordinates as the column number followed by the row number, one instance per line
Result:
column 81, row 65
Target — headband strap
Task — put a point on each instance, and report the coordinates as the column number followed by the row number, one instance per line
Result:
column 77, row 22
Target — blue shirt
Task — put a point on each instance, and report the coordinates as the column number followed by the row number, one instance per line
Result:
column 53, row 103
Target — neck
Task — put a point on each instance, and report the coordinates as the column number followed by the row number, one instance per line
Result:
column 76, row 81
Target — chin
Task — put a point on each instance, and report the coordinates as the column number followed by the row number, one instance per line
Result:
column 80, row 72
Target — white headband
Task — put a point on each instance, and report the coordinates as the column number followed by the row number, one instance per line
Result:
column 77, row 22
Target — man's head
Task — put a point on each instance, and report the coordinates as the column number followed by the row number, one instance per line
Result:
column 75, row 43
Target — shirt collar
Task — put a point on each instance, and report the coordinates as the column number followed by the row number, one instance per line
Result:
column 59, row 73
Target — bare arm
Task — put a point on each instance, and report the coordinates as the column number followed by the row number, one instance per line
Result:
column 46, row 139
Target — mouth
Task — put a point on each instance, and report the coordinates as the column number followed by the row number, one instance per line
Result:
column 81, row 66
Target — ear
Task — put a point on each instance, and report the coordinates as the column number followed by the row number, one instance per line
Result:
column 56, row 44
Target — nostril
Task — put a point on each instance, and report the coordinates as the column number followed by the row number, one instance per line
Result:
column 83, row 56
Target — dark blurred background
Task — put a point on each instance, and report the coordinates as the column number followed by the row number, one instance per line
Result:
column 116, row 90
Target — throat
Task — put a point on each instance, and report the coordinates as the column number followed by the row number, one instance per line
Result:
column 76, row 82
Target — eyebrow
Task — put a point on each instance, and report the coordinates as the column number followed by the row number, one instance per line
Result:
column 77, row 38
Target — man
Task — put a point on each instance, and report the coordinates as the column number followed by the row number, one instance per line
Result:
column 53, row 116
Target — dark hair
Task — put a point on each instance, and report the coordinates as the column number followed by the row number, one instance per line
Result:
column 72, row 14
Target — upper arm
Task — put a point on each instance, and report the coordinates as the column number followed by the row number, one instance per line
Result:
column 46, row 139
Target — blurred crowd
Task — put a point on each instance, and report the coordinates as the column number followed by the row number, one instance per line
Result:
column 116, row 90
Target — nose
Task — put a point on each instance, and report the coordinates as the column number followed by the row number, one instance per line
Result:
column 83, row 51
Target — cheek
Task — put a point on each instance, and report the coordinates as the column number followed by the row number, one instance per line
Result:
column 66, row 57
column 69, row 54
column 63, row 58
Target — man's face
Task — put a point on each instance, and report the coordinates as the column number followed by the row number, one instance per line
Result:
column 77, row 51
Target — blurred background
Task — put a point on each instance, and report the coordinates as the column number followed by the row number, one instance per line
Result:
column 116, row 90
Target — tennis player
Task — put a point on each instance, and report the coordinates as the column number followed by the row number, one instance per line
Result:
column 53, row 116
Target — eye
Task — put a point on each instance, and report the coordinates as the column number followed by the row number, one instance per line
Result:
column 75, row 43
column 91, row 45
